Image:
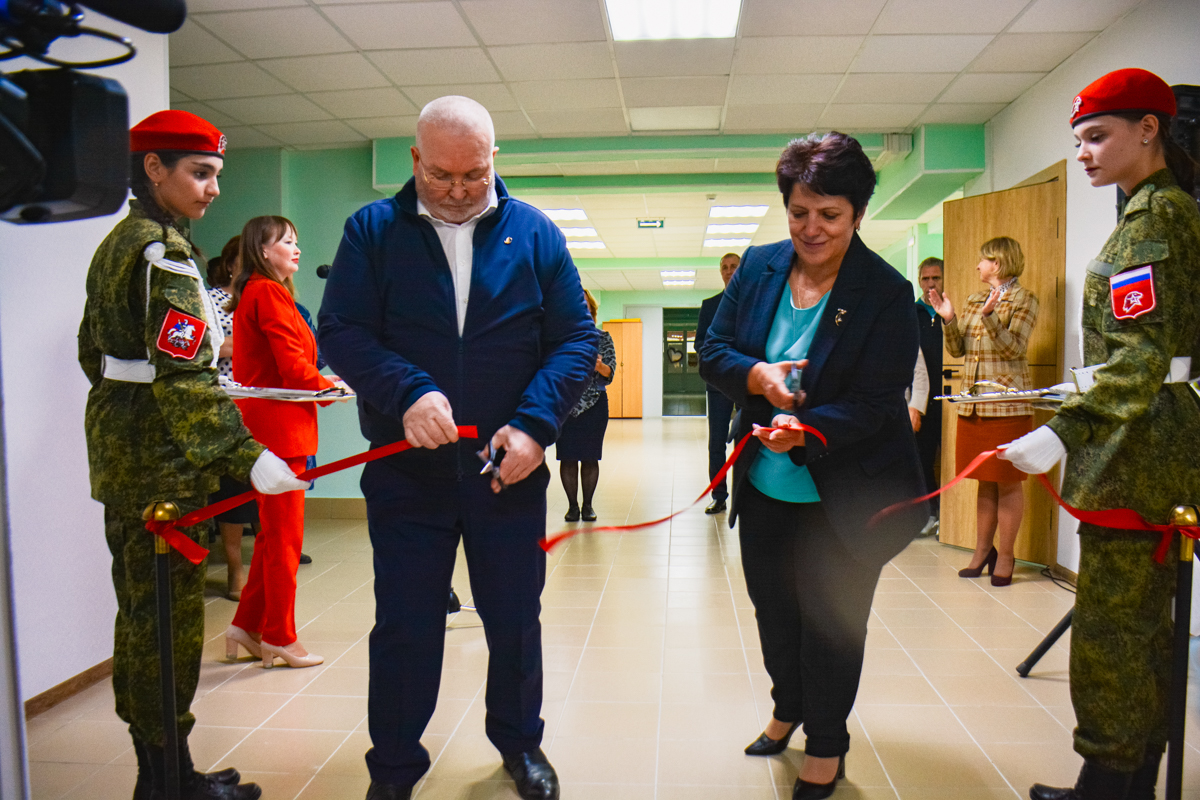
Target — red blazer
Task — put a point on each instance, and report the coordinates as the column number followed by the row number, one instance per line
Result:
column 274, row 347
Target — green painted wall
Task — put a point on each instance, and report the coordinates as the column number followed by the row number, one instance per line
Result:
column 612, row 304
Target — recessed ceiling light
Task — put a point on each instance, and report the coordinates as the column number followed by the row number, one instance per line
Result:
column 750, row 227
column 679, row 283
column 578, row 232
column 677, row 273
column 738, row 211
column 564, row 214
column 585, row 245
column 720, row 243
column 632, row 20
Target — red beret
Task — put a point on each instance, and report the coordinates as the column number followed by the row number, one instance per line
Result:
column 1124, row 90
column 176, row 130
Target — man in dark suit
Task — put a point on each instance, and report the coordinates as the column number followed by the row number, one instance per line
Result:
column 720, row 407
column 453, row 303
column 928, row 428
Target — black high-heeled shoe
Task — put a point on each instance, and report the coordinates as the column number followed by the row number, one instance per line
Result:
column 803, row 790
column 766, row 746
column 989, row 562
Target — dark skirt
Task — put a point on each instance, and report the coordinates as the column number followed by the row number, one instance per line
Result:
column 582, row 437
column 976, row 434
column 246, row 513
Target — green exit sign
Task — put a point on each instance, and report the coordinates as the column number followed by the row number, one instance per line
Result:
column 651, row 223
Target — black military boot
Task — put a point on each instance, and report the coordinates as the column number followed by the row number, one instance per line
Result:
column 229, row 777
column 1094, row 783
column 196, row 785
column 1145, row 778
column 145, row 778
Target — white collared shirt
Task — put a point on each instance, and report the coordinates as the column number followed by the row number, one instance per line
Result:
column 458, row 244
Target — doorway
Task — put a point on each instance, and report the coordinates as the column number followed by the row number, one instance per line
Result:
column 683, row 388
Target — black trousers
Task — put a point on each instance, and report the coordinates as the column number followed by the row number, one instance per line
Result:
column 415, row 527
column 929, row 439
column 811, row 599
column 720, row 410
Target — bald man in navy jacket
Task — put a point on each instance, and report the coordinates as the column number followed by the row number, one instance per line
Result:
column 453, row 303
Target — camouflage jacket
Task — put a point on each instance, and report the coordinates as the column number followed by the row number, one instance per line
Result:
column 170, row 438
column 1131, row 439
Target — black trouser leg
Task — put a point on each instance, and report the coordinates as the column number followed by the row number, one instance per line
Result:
column 929, row 438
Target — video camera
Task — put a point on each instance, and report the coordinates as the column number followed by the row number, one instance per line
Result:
column 64, row 135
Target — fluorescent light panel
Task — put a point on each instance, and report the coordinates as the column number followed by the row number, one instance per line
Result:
column 578, row 233
column 750, row 227
column 677, row 273
column 585, row 245
column 634, row 20
column 738, row 211
column 565, row 214
column 679, row 283
column 720, row 243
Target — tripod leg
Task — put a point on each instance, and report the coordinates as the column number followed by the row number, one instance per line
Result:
column 1053, row 636
column 166, row 658
column 1179, row 669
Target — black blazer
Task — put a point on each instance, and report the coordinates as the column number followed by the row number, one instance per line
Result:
column 860, row 362
column 708, row 310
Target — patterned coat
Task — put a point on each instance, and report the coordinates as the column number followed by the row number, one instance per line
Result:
column 169, row 439
column 1131, row 439
column 995, row 346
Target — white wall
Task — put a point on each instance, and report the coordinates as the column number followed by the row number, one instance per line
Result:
column 1033, row 133
column 652, row 357
column 61, row 565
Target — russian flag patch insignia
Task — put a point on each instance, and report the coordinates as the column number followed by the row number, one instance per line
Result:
column 1132, row 292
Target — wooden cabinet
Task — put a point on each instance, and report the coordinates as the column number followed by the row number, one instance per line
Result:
column 625, row 391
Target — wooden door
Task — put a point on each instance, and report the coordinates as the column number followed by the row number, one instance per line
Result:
column 625, row 391
column 1033, row 213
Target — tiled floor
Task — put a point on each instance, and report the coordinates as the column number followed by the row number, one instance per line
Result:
column 654, row 679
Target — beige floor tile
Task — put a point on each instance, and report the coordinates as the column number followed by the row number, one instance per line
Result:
column 646, row 637
column 248, row 708
column 968, row 690
column 1026, row 764
column 331, row 786
column 621, row 659
column 450, row 789
column 273, row 750
column 705, row 659
column 211, row 745
column 939, row 765
column 616, row 687
column 1013, row 725
column 889, row 662
column 602, row 760
column 668, row 791
column 281, row 784
column 707, row 762
column 957, row 662
column 709, row 720
column 320, row 713
column 924, row 724
column 52, row 780
column 111, row 782
column 707, row 687
column 907, row 690
column 468, row 757
column 340, row 681
column 83, row 741
column 609, row 720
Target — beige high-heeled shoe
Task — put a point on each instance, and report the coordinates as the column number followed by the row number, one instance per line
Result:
column 271, row 652
column 235, row 637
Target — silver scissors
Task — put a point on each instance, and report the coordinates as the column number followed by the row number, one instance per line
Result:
column 491, row 462
column 792, row 384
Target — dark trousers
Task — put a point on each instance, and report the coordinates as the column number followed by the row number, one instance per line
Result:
column 811, row 599
column 929, row 439
column 415, row 527
column 720, row 410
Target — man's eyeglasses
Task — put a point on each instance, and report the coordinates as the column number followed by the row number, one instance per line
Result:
column 445, row 184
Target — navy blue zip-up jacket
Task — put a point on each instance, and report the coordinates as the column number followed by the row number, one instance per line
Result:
column 389, row 328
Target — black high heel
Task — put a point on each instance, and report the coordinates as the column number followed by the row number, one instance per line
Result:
column 989, row 562
column 803, row 790
column 766, row 746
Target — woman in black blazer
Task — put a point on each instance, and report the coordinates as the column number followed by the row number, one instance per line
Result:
column 824, row 303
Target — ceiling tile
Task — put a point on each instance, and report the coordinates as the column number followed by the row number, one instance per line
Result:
column 676, row 118
column 961, row 113
column 1038, row 52
column 201, row 6
column 326, row 73
column 535, row 62
column 302, row 133
column 493, row 96
column 591, row 93
column 772, row 118
column 609, row 280
column 750, row 90
column 807, row 17
column 893, row 87
column 242, row 79
column 871, row 117
column 944, row 53
column 282, row 108
column 530, row 21
column 1050, row 16
column 275, row 33
column 429, row 67
column 385, row 127
column 191, row 45
column 795, row 54
column 244, row 137
column 699, row 91
column 205, row 111
column 674, row 58
column 397, row 25
column 579, row 122
column 512, row 125
column 990, row 87
column 178, row 96
column 947, row 16
column 383, row 102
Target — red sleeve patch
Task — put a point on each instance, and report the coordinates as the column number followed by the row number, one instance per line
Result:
column 1132, row 292
column 181, row 335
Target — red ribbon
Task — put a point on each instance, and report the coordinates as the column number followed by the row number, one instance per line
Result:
column 169, row 529
column 549, row 542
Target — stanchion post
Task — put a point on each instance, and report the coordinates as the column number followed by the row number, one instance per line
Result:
column 1183, row 516
column 163, row 512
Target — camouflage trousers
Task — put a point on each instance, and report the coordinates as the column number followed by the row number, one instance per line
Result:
column 1121, row 646
column 135, row 642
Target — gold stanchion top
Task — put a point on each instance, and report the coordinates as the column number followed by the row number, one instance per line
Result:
column 1184, row 516
column 164, row 511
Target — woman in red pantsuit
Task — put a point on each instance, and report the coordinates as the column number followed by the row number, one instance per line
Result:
column 274, row 347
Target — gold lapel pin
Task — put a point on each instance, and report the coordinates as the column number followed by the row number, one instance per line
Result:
column 837, row 319
column 508, row 240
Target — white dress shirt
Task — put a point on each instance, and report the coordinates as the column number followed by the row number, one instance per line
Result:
column 458, row 244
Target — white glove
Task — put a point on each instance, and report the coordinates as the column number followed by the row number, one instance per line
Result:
column 271, row 475
column 1035, row 452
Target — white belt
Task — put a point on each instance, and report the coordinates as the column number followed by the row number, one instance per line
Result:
column 133, row 370
column 1180, row 371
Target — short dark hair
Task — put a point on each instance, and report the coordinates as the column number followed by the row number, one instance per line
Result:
column 731, row 255
column 220, row 269
column 833, row 164
column 932, row 261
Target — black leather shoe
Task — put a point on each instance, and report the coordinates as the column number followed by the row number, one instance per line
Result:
column 305, row 558
column 588, row 514
column 388, row 791
column 766, row 746
column 715, row 507
column 803, row 790
column 1094, row 783
column 572, row 514
column 533, row 775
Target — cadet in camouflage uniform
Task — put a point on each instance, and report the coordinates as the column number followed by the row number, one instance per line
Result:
column 159, row 427
column 1130, row 439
